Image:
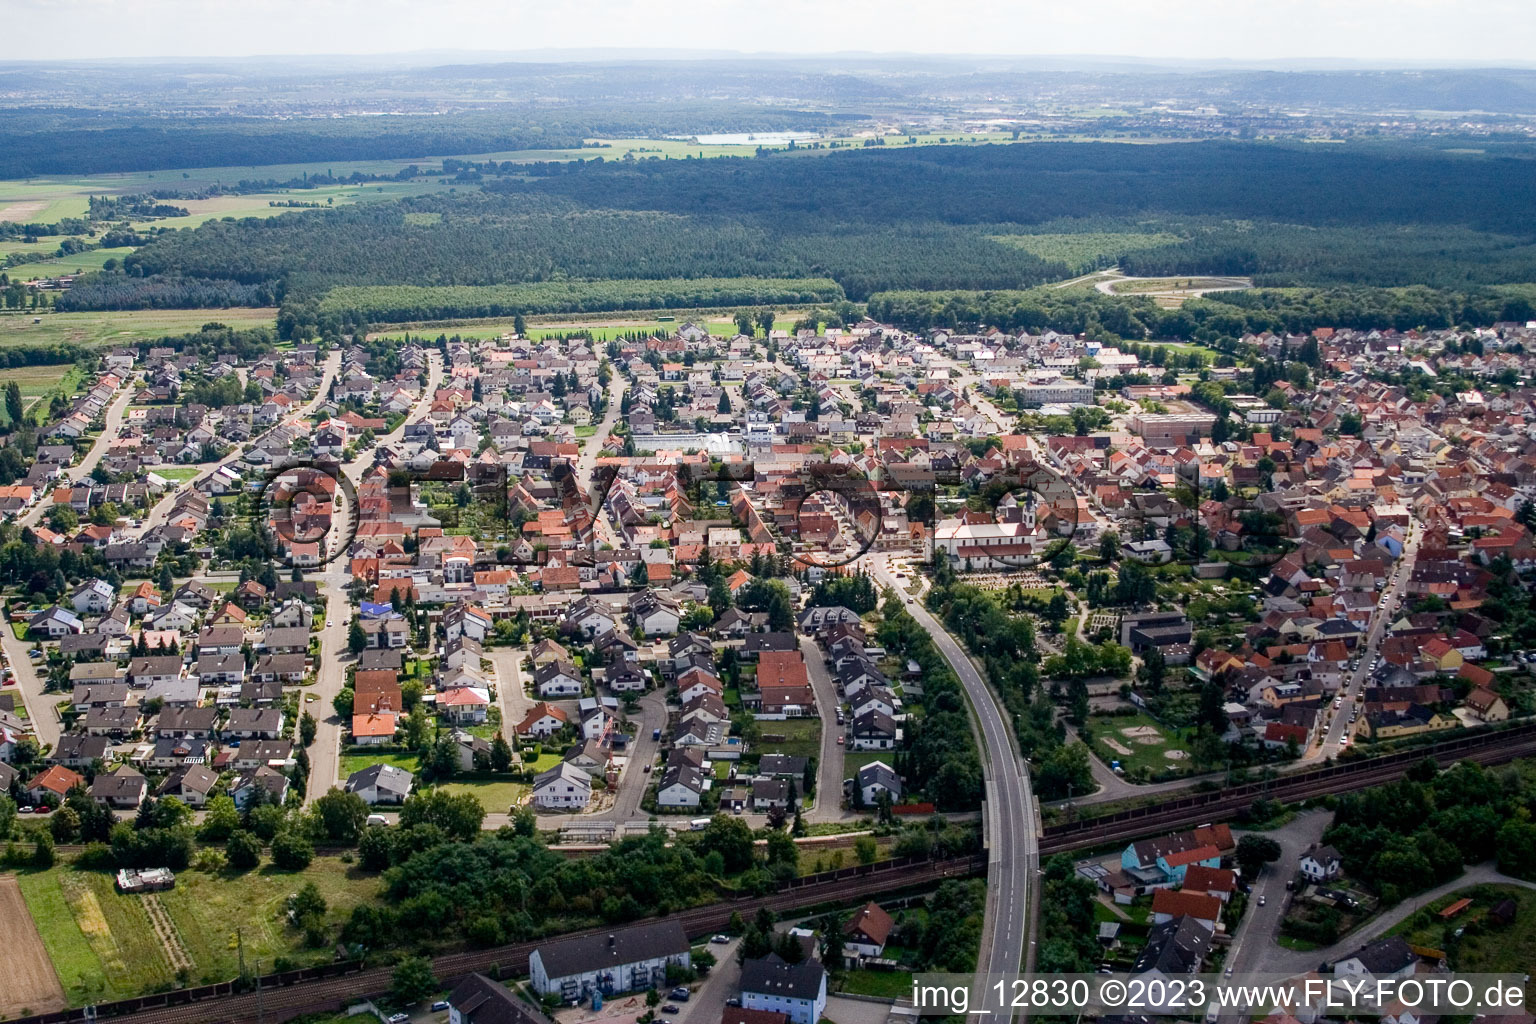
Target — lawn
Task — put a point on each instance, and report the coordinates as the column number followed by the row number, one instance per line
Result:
column 586, row 431
column 802, row 737
column 176, row 474
column 543, row 763
column 1145, row 748
column 38, row 384
column 79, row 262
column 882, row 984
column 117, row 328
column 496, row 797
column 853, row 761
column 357, row 762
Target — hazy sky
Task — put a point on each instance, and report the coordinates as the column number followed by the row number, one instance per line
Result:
column 1458, row 30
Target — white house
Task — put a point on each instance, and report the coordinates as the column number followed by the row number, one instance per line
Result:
column 1320, row 863
column 381, row 784
column 563, row 788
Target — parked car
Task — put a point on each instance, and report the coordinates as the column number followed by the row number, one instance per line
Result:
column 441, row 1004
column 669, row 1008
column 399, row 1018
column 719, row 940
column 733, row 1001
column 680, row 993
column 1262, row 900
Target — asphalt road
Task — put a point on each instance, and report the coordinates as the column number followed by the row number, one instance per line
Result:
column 829, row 767
column 1011, row 815
column 113, row 421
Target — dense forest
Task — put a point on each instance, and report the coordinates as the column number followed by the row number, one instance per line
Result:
column 397, row 303
column 940, row 227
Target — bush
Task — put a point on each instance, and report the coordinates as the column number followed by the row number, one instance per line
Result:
column 244, row 850
column 292, row 851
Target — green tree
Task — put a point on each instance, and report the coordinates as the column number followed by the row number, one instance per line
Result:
column 291, row 851
column 1253, row 852
column 243, row 850
column 375, row 848
column 413, row 980
column 732, row 839
column 342, row 815
column 459, row 816
column 865, row 850
column 42, row 852
column 357, row 640
column 13, row 406
column 343, row 701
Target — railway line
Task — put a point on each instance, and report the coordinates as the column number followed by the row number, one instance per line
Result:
column 1485, row 747
column 289, row 995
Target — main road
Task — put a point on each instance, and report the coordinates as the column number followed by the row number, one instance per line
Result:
column 1011, row 815
column 113, row 420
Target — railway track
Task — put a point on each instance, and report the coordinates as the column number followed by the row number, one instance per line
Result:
column 1494, row 747
column 281, row 1002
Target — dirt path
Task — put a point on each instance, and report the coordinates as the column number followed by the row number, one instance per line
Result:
column 31, row 986
column 175, row 952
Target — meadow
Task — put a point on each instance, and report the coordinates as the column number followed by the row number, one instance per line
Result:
column 104, row 947
column 120, row 327
column 1087, row 250
column 39, row 383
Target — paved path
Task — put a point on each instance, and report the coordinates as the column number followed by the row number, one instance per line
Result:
column 112, row 422
column 45, row 720
column 829, row 766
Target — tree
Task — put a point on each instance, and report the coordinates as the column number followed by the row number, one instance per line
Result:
column 357, row 640
column 1109, row 546
column 765, row 318
column 291, row 851
column 13, row 406
column 307, row 728
column 501, row 754
column 220, row 820
column 732, row 839
column 413, row 980
column 42, row 853
column 375, row 848
column 342, row 815
column 307, row 903
column 243, row 850
column 865, row 850
column 457, row 815
column 743, row 320
column 7, row 816
column 343, row 701
column 1253, row 852
column 65, row 825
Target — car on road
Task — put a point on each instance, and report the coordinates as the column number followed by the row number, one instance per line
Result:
column 839, row 739
column 327, row 623
column 1263, row 899
column 399, row 1018
column 669, row 1008
column 720, row 940
column 441, row 1004
column 733, row 1001
column 647, row 769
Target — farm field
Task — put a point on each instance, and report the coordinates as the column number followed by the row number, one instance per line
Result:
column 104, row 945
column 1139, row 743
column 32, row 985
column 116, row 328
column 80, row 262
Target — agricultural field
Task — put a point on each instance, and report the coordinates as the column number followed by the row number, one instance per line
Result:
column 78, row 263
column 121, row 327
column 106, row 945
column 31, row 985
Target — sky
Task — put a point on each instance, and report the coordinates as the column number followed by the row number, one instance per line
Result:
column 1480, row 31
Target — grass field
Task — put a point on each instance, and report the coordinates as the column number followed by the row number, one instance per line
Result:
column 116, row 328
column 357, row 762
column 176, row 474
column 601, row 326
column 38, row 384
column 495, row 797
column 78, row 263
column 802, row 737
column 103, row 946
column 881, row 984
column 1145, row 746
